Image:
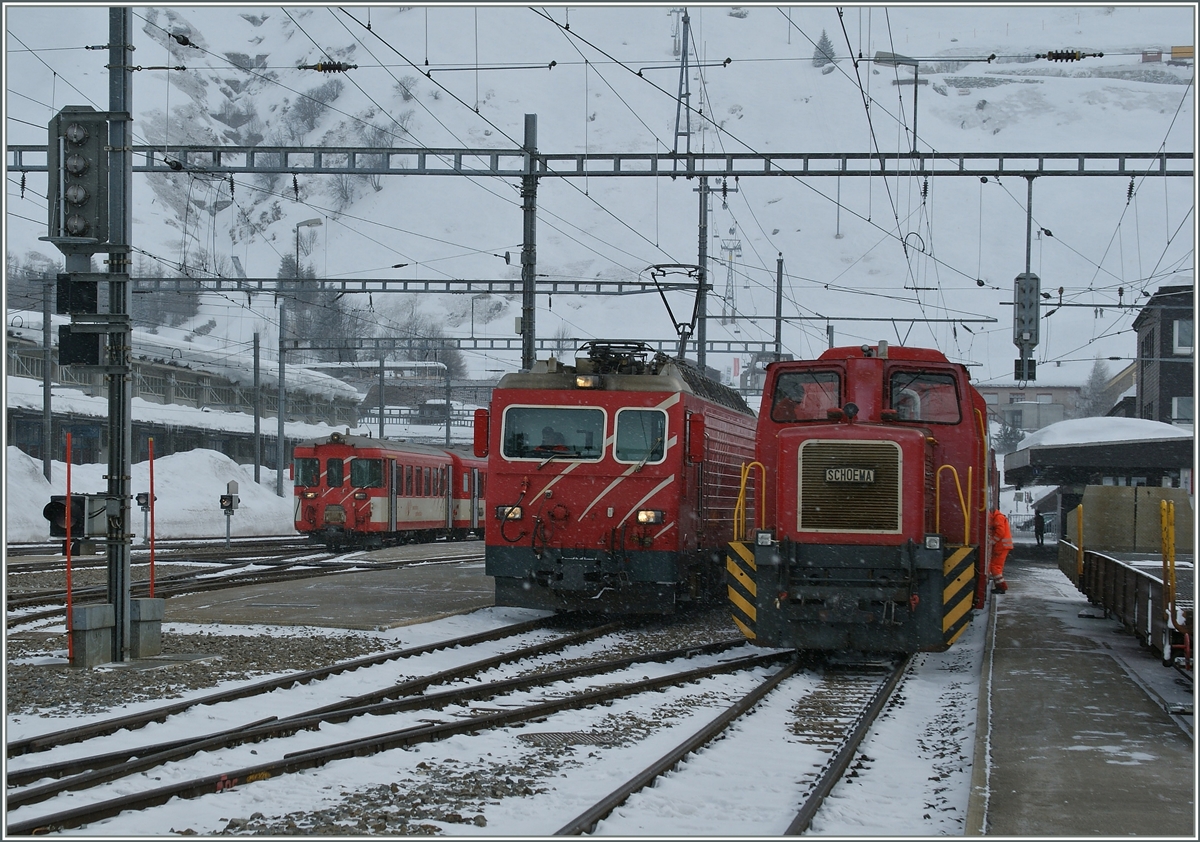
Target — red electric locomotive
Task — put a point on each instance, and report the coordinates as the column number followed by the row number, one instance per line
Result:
column 613, row 481
column 873, row 471
column 354, row 491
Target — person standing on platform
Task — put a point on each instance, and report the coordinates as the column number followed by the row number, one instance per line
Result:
column 1039, row 528
column 1002, row 543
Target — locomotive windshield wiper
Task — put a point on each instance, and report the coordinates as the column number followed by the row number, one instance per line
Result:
column 552, row 457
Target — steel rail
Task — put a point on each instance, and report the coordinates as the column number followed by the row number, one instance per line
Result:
column 121, row 764
column 104, row 768
column 138, row 720
column 837, row 765
column 315, row 758
column 586, row 821
column 196, row 582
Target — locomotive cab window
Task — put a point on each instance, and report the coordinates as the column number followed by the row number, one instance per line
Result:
column 641, row 436
column 366, row 473
column 924, row 396
column 308, row 472
column 333, row 473
column 805, row 395
column 541, row 432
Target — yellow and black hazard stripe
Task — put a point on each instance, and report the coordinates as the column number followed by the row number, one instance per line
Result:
column 743, row 589
column 958, row 591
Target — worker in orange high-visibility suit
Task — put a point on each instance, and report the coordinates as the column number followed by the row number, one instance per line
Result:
column 1001, row 535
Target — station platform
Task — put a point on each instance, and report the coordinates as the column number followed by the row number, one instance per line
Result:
column 1082, row 730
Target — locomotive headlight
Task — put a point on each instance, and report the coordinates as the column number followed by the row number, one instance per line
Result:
column 509, row 513
column 309, row 495
column 360, row 495
column 933, row 542
column 649, row 516
column 587, row 381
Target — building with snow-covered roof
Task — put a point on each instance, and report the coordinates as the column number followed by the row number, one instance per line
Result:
column 1166, row 331
column 1074, row 454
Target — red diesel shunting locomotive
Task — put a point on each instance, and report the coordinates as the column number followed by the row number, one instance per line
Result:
column 355, row 491
column 875, row 476
column 613, row 481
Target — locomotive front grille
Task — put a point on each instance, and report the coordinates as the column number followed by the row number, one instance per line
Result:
column 849, row 486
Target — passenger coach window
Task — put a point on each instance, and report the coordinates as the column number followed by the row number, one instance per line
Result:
column 641, row 435
column 408, row 488
column 924, row 396
column 308, row 472
column 805, row 395
column 333, row 473
column 539, row 432
column 366, row 473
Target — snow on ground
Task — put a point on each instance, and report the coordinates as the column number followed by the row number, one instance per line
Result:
column 925, row 740
column 187, row 488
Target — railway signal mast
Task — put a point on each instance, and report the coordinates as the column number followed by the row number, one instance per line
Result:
column 90, row 171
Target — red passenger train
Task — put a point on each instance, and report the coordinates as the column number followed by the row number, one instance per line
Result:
column 875, row 476
column 355, row 491
column 613, row 481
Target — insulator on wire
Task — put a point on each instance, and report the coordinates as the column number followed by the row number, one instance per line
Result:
column 22, row 184
column 231, row 185
column 1068, row 55
column 1129, row 192
column 329, row 67
column 925, row 189
column 296, row 186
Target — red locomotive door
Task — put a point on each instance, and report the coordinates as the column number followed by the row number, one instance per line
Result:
column 392, row 478
column 475, row 498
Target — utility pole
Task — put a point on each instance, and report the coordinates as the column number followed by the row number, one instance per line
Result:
column 1027, row 300
column 282, row 411
column 120, row 396
column 257, row 414
column 683, row 112
column 47, row 363
column 779, row 307
column 702, row 278
column 382, row 356
column 528, row 245
column 730, row 248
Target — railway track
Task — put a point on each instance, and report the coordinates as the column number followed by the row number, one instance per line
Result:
column 550, row 676
column 167, row 550
column 835, row 718
column 282, row 567
column 80, row 774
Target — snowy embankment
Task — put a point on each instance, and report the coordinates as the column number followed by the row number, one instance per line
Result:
column 187, row 490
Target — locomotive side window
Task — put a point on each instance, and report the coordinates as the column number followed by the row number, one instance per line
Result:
column 641, row 435
column 308, row 472
column 925, row 396
column 539, row 432
column 366, row 473
column 805, row 395
column 333, row 473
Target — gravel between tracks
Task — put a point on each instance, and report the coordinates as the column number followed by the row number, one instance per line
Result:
column 436, row 796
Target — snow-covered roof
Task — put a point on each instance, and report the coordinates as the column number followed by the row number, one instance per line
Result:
column 1096, row 430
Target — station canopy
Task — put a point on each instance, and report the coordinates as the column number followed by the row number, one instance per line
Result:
column 1082, row 451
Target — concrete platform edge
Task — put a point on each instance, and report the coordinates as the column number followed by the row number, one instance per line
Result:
column 977, row 801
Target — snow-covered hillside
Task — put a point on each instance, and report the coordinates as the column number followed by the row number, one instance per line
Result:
column 604, row 79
